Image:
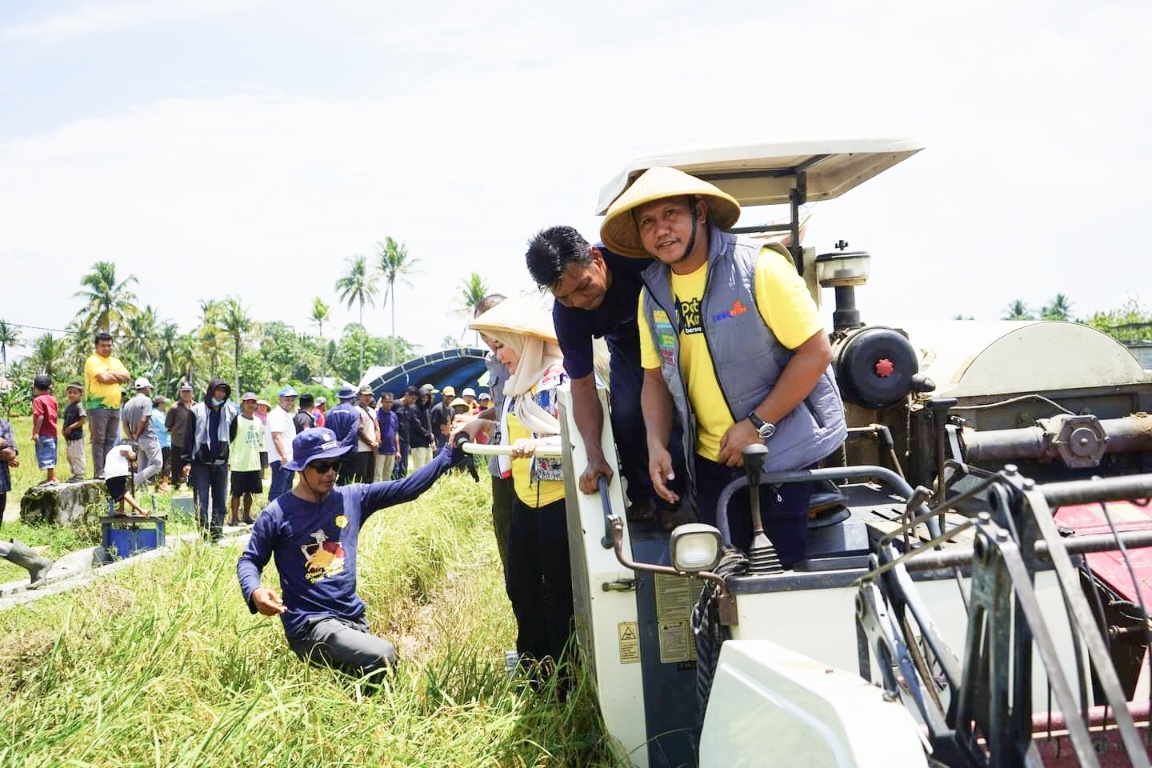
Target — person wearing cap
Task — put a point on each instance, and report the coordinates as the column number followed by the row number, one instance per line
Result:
column 207, row 448
column 537, row 574
column 278, row 441
column 164, row 438
column 103, row 377
column 136, row 417
column 388, row 451
column 73, row 431
column 420, row 434
column 732, row 344
column 244, row 460
column 596, row 293
column 262, row 409
column 176, row 421
column 344, row 420
column 469, row 396
column 313, row 533
column 441, row 416
column 319, row 411
column 45, row 410
column 367, row 434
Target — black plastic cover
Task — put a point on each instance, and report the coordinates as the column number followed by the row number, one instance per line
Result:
column 874, row 367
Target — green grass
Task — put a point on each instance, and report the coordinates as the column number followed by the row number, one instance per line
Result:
column 161, row 664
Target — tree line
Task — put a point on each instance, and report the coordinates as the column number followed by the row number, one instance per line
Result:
column 227, row 342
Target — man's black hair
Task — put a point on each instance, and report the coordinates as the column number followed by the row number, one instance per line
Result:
column 103, row 336
column 306, row 400
column 488, row 302
column 552, row 250
column 411, row 390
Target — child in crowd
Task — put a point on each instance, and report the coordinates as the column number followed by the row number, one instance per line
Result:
column 73, row 430
column 118, row 468
column 44, row 415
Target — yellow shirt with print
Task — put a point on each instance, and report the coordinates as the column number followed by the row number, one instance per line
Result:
column 96, row 394
column 535, row 494
column 787, row 309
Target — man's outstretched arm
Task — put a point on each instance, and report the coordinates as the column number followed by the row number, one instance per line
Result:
column 589, row 417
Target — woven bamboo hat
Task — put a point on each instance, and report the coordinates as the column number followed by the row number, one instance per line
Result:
column 619, row 232
column 517, row 314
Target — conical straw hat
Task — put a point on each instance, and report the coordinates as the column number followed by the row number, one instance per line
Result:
column 619, row 232
column 517, row 314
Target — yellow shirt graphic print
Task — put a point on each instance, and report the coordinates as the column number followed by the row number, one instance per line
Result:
column 323, row 559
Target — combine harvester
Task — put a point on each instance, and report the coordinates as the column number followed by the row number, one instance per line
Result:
column 978, row 596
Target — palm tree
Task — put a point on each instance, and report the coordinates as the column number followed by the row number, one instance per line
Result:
column 9, row 337
column 1059, row 309
column 394, row 264
column 358, row 286
column 166, row 354
column 108, row 301
column 473, row 290
column 185, row 358
column 141, row 335
column 1018, row 310
column 321, row 313
column 47, row 354
column 235, row 322
column 209, row 332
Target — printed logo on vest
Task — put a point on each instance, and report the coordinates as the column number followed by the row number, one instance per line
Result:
column 736, row 309
column 665, row 336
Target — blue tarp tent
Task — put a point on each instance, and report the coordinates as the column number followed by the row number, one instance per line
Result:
column 459, row 367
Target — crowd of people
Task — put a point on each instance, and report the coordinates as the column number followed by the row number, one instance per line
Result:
column 715, row 344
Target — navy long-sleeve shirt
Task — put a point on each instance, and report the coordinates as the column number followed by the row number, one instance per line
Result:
column 315, row 545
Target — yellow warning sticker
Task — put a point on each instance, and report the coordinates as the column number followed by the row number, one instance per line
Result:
column 629, row 634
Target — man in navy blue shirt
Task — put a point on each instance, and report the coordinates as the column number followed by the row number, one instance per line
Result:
column 313, row 532
column 596, row 294
column 344, row 420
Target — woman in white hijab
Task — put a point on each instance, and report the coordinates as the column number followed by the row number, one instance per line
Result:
column 537, row 574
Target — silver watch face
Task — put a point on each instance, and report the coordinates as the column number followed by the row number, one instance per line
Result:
column 766, row 430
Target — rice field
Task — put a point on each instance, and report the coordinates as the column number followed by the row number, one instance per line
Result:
column 161, row 664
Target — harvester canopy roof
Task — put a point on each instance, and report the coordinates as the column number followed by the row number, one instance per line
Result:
column 766, row 173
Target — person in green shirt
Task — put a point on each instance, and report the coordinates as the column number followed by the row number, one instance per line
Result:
column 244, row 459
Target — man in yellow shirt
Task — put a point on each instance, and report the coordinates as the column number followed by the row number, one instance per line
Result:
column 732, row 344
column 103, row 377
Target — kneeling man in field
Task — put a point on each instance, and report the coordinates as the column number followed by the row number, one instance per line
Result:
column 313, row 531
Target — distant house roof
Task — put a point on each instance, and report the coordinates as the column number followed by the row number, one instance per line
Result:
column 459, row 367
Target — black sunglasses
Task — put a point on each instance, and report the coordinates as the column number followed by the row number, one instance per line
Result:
column 325, row 466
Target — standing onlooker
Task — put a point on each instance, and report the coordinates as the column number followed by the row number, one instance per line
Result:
column 303, row 419
column 159, row 407
column 137, row 418
column 440, row 417
column 16, row 551
column 262, row 409
column 389, row 448
column 280, row 432
column 44, row 415
column 73, row 431
column 103, row 375
column 469, row 396
column 420, row 430
column 344, row 421
column 211, row 430
column 369, row 436
column 404, row 416
column 176, row 422
column 244, row 458
column 319, row 411
column 8, row 454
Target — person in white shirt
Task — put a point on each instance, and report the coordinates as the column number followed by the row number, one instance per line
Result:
column 369, row 436
column 117, row 468
column 280, row 433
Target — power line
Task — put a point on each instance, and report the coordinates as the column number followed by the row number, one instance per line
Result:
column 36, row 327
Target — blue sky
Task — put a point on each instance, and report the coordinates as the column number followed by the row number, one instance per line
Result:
column 248, row 148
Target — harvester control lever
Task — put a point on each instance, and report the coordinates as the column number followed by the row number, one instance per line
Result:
column 762, row 556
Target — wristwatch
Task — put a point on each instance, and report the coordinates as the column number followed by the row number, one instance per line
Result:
column 763, row 428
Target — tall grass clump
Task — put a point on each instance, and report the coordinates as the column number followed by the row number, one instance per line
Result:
column 161, row 664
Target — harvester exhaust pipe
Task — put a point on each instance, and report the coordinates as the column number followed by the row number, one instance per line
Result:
column 762, row 557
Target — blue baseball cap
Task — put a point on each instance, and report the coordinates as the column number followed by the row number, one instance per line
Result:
column 287, row 392
column 312, row 445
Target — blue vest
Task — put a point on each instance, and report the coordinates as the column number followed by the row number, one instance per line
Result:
column 746, row 356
